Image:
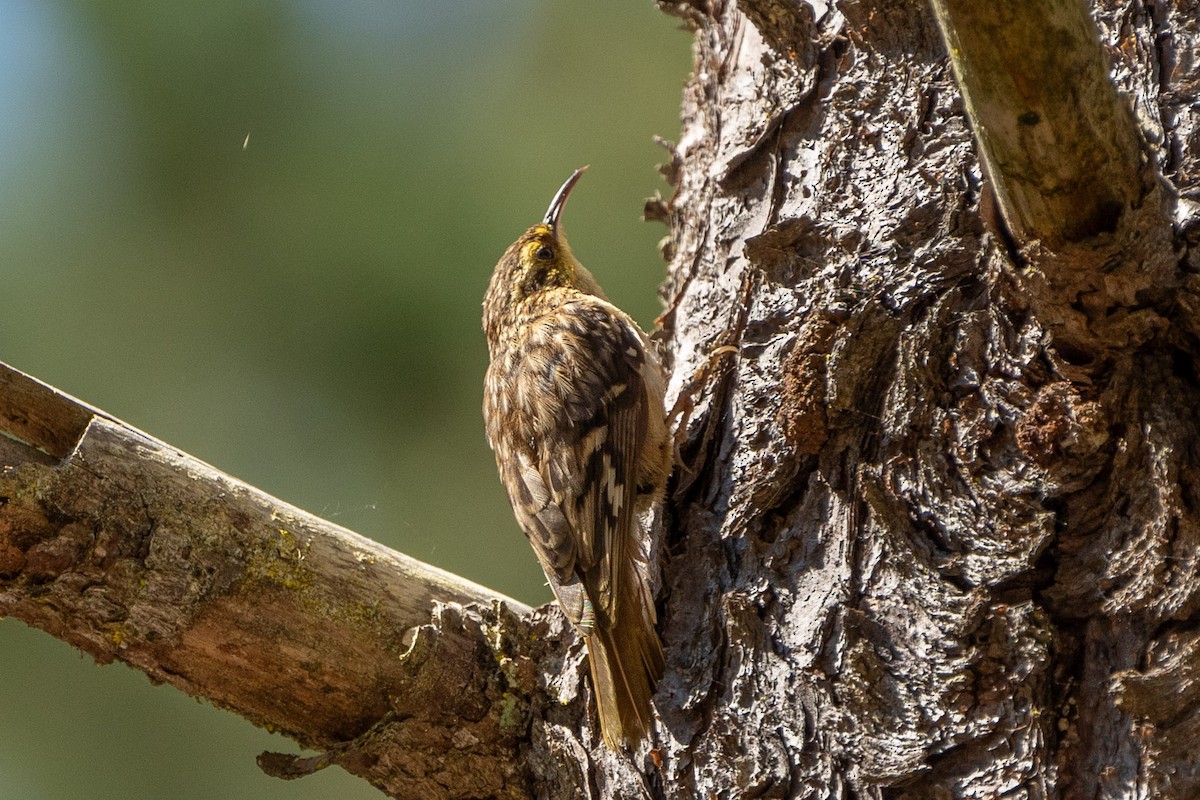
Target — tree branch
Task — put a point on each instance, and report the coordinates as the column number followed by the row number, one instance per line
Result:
column 1060, row 146
column 1071, row 178
column 134, row 551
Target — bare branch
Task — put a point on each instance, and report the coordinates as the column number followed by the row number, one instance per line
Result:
column 1060, row 146
column 134, row 551
column 1077, row 191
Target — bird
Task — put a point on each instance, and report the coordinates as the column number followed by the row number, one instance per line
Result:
column 573, row 410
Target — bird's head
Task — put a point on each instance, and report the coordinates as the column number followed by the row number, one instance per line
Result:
column 539, row 260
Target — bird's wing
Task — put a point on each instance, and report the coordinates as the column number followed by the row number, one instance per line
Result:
column 577, row 472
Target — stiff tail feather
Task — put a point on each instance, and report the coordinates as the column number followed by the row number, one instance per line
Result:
column 626, row 662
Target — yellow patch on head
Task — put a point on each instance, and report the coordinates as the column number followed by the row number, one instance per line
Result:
column 540, row 245
column 544, row 259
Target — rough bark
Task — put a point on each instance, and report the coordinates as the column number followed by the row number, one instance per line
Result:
column 936, row 522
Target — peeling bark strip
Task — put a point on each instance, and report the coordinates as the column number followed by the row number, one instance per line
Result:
column 133, row 551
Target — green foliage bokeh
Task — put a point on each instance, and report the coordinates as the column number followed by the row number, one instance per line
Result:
column 261, row 232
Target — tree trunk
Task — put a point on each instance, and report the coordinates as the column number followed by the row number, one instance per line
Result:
column 935, row 527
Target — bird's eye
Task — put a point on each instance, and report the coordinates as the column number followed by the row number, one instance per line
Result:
column 544, row 253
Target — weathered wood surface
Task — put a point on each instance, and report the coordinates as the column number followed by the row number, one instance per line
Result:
column 1061, row 146
column 136, row 552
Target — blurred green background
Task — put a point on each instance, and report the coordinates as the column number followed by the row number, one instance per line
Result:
column 261, row 231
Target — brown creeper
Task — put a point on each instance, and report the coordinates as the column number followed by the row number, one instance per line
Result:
column 573, row 403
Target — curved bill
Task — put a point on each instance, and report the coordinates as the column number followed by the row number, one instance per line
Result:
column 560, row 199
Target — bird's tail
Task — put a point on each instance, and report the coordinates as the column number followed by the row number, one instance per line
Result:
column 626, row 661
